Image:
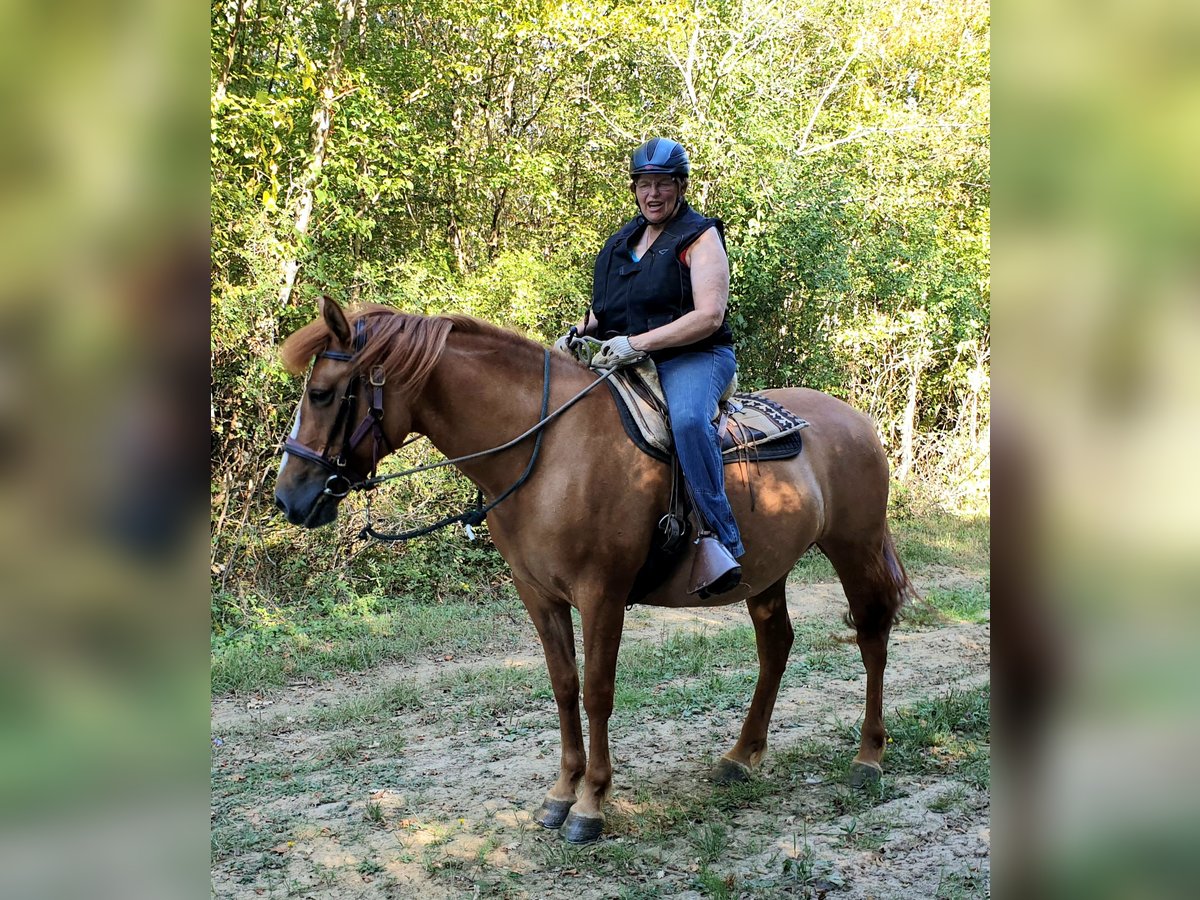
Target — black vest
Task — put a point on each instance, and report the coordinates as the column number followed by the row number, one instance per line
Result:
column 634, row 297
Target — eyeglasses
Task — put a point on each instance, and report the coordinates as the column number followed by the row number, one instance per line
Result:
column 646, row 186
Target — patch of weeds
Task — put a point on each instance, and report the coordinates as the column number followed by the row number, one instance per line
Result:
column 558, row 854
column 866, row 833
column 687, row 654
column 741, row 794
column 805, row 875
column 374, row 814
column 397, row 697
column 718, row 887
column 226, row 840
column 953, row 800
column 393, row 744
column 798, row 868
column 369, row 867
column 435, row 863
column 714, row 692
column 710, row 842
column 961, row 886
column 940, row 606
column 330, row 628
column 925, row 535
column 497, row 690
column 828, row 664
column 812, row 635
column 810, row 758
column 688, row 673
column 947, row 734
column 963, row 604
column 639, row 892
column 508, row 887
column 327, row 876
column 617, row 853
column 921, row 614
column 849, row 800
column 484, row 851
column 344, row 749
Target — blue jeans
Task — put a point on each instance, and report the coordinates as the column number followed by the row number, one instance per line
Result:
column 692, row 383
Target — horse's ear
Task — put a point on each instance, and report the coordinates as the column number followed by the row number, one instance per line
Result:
column 335, row 319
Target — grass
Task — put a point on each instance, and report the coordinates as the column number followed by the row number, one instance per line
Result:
column 924, row 536
column 494, row 691
column 952, row 800
column 397, row 697
column 310, row 612
column 302, row 646
column 344, row 619
column 941, row 606
column 947, row 735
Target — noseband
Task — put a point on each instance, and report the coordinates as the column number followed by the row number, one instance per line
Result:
column 343, row 477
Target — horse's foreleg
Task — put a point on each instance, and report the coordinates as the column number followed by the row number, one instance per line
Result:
column 602, row 624
column 552, row 619
column 773, row 635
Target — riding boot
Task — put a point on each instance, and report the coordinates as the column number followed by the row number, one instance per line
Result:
column 714, row 570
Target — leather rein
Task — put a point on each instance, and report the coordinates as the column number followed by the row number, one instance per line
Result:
column 344, row 477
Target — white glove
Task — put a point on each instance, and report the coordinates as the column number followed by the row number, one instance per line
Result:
column 616, row 352
column 563, row 345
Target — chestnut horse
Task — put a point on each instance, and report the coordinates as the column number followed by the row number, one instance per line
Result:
column 578, row 530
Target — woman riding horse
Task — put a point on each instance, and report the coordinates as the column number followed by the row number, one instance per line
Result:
column 476, row 390
column 660, row 289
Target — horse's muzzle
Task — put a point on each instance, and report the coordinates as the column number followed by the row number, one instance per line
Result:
column 316, row 512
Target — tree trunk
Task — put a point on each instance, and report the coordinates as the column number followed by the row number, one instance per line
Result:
column 230, row 51
column 322, row 118
column 908, row 423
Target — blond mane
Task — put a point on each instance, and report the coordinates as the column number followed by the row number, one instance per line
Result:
column 406, row 345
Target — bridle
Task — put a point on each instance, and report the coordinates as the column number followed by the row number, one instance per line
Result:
column 343, row 476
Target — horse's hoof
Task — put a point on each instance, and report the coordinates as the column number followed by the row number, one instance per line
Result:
column 553, row 813
column 582, row 829
column 865, row 773
column 730, row 771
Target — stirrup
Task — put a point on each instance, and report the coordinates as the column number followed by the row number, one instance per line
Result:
column 714, row 570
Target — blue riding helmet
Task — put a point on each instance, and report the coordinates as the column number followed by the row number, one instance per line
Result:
column 659, row 155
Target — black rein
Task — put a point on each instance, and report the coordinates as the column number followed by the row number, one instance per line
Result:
column 472, row 518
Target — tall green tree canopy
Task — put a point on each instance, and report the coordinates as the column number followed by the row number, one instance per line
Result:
column 470, row 155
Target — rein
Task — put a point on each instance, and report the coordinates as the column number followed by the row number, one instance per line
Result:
column 344, row 479
column 471, row 517
column 474, row 517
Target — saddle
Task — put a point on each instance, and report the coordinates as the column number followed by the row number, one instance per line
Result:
column 750, row 425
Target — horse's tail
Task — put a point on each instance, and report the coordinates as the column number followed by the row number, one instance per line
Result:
column 902, row 588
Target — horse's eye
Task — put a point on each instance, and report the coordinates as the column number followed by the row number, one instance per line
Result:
column 320, row 396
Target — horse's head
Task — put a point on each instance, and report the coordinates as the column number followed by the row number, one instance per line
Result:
column 338, row 435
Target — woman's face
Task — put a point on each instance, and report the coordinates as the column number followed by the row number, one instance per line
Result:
column 657, row 196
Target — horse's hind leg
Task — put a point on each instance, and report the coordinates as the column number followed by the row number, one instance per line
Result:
column 875, row 584
column 552, row 618
column 773, row 635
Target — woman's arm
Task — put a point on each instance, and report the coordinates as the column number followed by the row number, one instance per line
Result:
column 710, row 293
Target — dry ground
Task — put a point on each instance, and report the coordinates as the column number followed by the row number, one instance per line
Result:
column 418, row 780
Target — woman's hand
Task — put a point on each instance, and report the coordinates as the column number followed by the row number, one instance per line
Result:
column 616, row 352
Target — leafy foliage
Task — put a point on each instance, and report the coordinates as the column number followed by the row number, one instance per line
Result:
column 469, row 156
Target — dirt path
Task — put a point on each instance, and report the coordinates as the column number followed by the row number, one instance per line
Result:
column 418, row 780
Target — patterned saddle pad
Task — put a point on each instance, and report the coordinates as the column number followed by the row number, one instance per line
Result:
column 754, row 425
